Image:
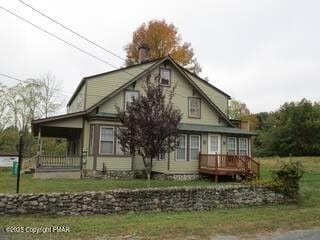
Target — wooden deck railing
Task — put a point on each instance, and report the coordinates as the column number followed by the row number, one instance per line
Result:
column 58, row 161
column 232, row 162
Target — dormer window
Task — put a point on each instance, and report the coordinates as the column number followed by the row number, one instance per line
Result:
column 130, row 95
column 165, row 77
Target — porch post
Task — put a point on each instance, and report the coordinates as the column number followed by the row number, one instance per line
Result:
column 39, row 142
column 216, row 178
column 39, row 147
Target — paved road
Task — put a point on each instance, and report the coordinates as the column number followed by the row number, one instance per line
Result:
column 292, row 235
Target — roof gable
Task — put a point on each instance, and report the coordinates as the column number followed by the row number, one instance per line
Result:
column 124, row 74
column 124, row 83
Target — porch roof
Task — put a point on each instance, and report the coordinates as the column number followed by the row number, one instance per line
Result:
column 213, row 129
column 62, row 126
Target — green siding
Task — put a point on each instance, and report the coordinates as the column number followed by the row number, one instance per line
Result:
column 89, row 165
column 66, row 123
column 158, row 166
column 138, row 163
column 217, row 97
column 109, row 106
column 101, row 86
column 77, row 104
column 183, row 90
column 114, row 163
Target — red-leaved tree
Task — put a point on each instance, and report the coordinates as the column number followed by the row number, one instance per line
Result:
column 149, row 124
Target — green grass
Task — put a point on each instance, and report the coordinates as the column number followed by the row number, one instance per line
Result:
column 245, row 222
column 28, row 184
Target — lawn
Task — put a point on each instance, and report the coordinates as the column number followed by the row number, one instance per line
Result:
column 245, row 222
column 28, row 184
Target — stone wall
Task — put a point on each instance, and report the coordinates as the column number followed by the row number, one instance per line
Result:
column 139, row 200
column 177, row 176
column 108, row 174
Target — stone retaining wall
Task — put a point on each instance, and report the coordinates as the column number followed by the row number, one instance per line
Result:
column 139, row 200
column 108, row 174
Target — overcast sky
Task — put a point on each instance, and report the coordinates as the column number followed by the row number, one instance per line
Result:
column 260, row 52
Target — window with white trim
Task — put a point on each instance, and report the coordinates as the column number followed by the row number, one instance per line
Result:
column 129, row 97
column 165, row 77
column 194, row 147
column 182, row 147
column 243, row 146
column 106, row 140
column 231, row 146
column 194, row 107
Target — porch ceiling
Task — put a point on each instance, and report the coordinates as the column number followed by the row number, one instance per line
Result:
column 62, row 126
column 58, row 132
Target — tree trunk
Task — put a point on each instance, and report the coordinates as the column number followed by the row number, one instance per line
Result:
column 149, row 178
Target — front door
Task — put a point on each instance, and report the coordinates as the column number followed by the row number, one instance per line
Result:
column 214, row 145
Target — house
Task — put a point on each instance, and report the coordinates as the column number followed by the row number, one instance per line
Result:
column 209, row 143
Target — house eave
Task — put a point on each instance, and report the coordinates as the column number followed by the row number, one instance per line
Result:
column 213, row 129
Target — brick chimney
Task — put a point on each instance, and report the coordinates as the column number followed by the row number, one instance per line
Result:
column 143, row 52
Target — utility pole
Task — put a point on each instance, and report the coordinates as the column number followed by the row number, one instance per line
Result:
column 20, row 162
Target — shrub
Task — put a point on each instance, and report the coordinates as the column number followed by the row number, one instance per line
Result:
column 286, row 179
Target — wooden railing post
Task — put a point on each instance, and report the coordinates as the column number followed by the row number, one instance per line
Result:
column 216, row 162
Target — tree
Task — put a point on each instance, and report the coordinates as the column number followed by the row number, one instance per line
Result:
column 162, row 39
column 293, row 129
column 50, row 101
column 20, row 104
column 237, row 109
column 150, row 125
column 5, row 115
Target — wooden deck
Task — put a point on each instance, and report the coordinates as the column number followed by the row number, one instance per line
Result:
column 228, row 165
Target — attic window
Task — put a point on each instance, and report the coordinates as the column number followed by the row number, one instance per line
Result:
column 194, row 107
column 129, row 96
column 165, row 77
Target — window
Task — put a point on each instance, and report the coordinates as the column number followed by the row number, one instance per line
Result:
column 129, row 96
column 91, row 141
column 194, row 147
column 118, row 148
column 165, row 77
column 182, row 147
column 194, row 107
column 106, row 140
column 231, row 146
column 243, row 146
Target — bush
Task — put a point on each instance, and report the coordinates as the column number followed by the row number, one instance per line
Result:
column 286, row 179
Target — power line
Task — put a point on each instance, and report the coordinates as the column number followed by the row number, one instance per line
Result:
column 59, row 38
column 68, row 43
column 13, row 78
column 72, row 31
column 24, row 81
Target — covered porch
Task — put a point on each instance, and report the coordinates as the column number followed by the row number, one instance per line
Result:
column 69, row 127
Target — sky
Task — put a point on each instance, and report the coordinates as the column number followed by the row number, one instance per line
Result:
column 262, row 53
